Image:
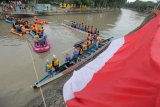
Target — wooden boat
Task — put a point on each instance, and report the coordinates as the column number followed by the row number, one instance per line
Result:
column 67, row 68
column 72, row 28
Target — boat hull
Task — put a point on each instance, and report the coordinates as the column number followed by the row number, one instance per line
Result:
column 38, row 49
column 48, row 79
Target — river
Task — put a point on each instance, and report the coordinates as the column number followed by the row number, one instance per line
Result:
column 17, row 72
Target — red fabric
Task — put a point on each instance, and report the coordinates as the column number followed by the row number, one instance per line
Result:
column 131, row 78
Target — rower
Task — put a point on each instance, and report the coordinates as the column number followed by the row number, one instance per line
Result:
column 84, row 46
column 85, row 28
column 67, row 60
column 80, row 50
column 91, row 29
column 89, row 37
column 88, row 43
column 77, row 25
column 88, row 28
column 49, row 68
column 75, row 55
column 72, row 24
column 55, row 63
column 95, row 31
column 98, row 40
column 82, row 26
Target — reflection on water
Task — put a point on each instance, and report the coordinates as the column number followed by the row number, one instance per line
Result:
column 17, row 73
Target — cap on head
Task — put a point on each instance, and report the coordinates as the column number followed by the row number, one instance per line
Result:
column 47, row 61
column 54, row 57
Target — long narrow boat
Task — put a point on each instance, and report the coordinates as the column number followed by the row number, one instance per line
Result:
column 39, row 49
column 65, row 69
column 72, row 28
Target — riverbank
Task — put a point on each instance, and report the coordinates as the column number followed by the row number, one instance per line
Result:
column 60, row 11
column 53, row 94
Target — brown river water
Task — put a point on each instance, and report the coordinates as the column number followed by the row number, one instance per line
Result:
column 16, row 67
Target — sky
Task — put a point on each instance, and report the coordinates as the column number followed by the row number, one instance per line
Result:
column 142, row 0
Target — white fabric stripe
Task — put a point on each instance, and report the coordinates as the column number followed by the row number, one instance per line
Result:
column 83, row 76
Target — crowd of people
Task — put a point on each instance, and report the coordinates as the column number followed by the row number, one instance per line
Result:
column 11, row 5
column 85, row 28
column 24, row 27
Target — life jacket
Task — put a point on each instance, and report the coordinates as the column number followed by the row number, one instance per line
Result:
column 36, row 38
column 84, row 47
column 55, row 62
column 88, row 43
column 81, row 51
column 36, row 26
column 49, row 66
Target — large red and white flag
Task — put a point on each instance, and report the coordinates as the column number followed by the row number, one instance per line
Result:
column 127, row 74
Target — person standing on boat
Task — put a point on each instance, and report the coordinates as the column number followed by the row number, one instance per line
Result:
column 55, row 63
column 44, row 39
column 75, row 55
column 49, row 68
column 36, row 38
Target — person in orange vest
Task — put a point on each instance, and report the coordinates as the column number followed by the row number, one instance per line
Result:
column 36, row 27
